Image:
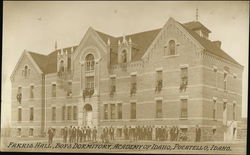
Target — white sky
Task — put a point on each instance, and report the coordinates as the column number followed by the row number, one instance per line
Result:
column 67, row 23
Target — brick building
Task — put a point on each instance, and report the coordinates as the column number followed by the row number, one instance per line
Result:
column 169, row 76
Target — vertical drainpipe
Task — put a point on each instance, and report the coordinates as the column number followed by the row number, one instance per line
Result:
column 43, row 112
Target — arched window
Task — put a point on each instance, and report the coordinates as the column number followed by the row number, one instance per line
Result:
column 171, row 44
column 90, row 62
column 124, row 56
column 25, row 71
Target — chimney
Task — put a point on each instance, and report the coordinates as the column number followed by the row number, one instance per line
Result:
column 217, row 43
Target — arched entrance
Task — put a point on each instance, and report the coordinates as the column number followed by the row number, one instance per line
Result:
column 87, row 115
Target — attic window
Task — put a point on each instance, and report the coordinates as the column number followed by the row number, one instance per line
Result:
column 171, row 44
column 26, row 71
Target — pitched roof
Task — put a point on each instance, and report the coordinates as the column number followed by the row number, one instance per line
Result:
column 194, row 25
column 47, row 63
column 140, row 43
column 209, row 45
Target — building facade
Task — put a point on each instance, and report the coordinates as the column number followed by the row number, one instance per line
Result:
column 172, row 76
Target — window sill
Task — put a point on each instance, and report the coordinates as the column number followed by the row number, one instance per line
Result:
column 171, row 56
column 183, row 118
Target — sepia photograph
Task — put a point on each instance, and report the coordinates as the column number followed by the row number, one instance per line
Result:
column 161, row 77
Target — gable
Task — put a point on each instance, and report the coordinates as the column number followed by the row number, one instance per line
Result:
column 209, row 46
column 25, row 60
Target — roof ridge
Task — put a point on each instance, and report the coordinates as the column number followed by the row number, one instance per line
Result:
column 140, row 32
column 116, row 37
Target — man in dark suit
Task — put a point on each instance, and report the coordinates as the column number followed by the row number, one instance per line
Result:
column 198, row 133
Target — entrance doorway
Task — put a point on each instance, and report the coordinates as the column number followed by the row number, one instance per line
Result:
column 87, row 115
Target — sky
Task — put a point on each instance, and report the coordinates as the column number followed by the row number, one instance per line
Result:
column 36, row 26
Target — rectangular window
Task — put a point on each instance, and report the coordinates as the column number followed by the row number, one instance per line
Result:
column 214, row 131
column 119, row 110
column 105, row 111
column 19, row 114
column 133, row 111
column 113, row 86
column 159, row 82
column 159, row 109
column 214, row 109
column 112, row 109
column 31, row 132
column 31, row 91
column 19, row 132
column 225, row 81
column 69, row 113
column 90, row 82
column 69, row 89
column 184, row 79
column 19, row 95
column 224, row 112
column 53, row 113
column 215, row 73
column 53, row 90
column 133, row 85
column 31, row 114
column 63, row 112
column 184, row 108
column 234, row 112
column 75, row 113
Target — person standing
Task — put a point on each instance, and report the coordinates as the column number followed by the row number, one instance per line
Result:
column 65, row 134
column 112, row 133
column 77, row 134
column 94, row 134
column 81, row 134
column 50, row 135
column 198, row 133
column 84, row 133
column 125, row 132
column 70, row 134
column 88, row 134
column 74, row 135
column 166, row 133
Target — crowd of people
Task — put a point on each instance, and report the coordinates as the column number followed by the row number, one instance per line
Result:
column 162, row 133
column 85, row 134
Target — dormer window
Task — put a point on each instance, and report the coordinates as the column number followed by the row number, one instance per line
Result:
column 90, row 62
column 124, row 56
column 171, row 45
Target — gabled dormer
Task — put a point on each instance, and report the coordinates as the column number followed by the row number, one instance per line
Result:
column 124, row 50
column 64, row 61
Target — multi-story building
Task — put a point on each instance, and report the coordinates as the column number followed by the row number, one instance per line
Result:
column 172, row 76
